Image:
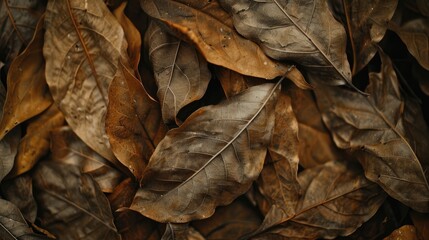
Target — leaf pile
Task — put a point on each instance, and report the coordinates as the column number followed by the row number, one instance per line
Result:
column 218, row 119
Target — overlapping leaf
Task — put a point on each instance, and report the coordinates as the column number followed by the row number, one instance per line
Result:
column 181, row 73
column 66, row 198
column 212, row 158
column 303, row 32
column 388, row 132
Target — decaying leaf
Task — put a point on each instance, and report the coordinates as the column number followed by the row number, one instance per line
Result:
column 133, row 122
column 210, row 29
column 336, row 200
column 36, row 141
column 72, row 206
column 212, row 158
column 303, row 32
column 82, row 48
column 13, row 225
column 67, row 148
column 28, row 94
column 19, row 19
column 181, row 73
column 387, row 132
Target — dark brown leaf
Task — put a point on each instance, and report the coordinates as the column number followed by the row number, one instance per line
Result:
column 232, row 82
column 209, row 27
column 83, row 45
column 36, row 141
column 181, row 73
column 181, row 232
column 19, row 19
column 67, row 148
column 133, row 122
column 72, row 206
column 28, row 94
column 303, row 32
column 212, row 158
column 337, row 199
column 421, row 222
column 405, row 232
column 388, row 133
column 134, row 226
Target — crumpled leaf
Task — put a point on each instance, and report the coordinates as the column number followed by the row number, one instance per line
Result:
column 13, row 225
column 133, row 122
column 387, row 132
column 210, row 29
column 19, row 191
column 72, row 206
column 302, row 32
column 28, row 94
column 212, row 158
column 337, row 199
column 83, row 45
column 181, row 73
column 67, row 148
column 19, row 19
column 36, row 141
column 405, row 232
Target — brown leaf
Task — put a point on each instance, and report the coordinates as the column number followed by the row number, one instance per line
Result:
column 134, row 226
column 278, row 180
column 230, row 222
column 19, row 20
column 405, row 232
column 210, row 29
column 305, row 33
column 337, row 199
column 181, row 232
column 35, row 144
column 421, row 222
column 72, row 206
column 133, row 122
column 315, row 144
column 388, row 134
column 232, row 82
column 212, row 158
column 19, row 191
column 28, row 94
column 13, row 225
column 83, row 45
column 181, row 73
column 67, row 148
column 131, row 34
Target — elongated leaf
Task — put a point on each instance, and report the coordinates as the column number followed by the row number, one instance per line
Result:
column 13, row 225
column 212, row 158
column 133, row 122
column 19, row 19
column 210, row 28
column 83, row 45
column 303, row 32
column 72, row 205
column 67, row 148
column 388, row 133
column 28, row 94
column 337, row 199
column 181, row 73
column 35, row 144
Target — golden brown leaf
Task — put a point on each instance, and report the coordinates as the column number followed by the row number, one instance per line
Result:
column 407, row 232
column 421, row 222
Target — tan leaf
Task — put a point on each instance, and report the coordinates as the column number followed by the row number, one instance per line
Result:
column 212, row 158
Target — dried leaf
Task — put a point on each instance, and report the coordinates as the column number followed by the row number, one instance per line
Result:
column 13, row 225
column 71, row 204
column 209, row 27
column 388, row 133
column 19, row 19
column 134, row 226
column 133, row 122
column 67, row 148
column 19, row 191
column 28, row 94
column 212, row 158
column 337, row 199
column 421, row 222
column 230, row 222
column 181, row 73
column 83, row 45
column 181, row 232
column 303, row 32
column 405, row 232
column 232, row 82
column 35, row 144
